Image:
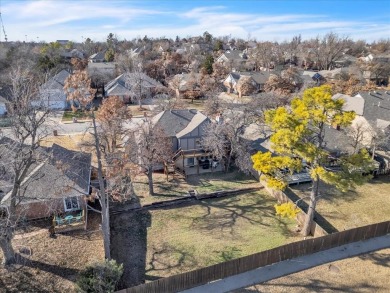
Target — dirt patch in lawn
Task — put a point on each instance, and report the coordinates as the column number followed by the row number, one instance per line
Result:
column 365, row 273
column 52, row 264
column 367, row 204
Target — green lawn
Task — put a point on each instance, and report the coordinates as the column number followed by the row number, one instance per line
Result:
column 213, row 231
column 368, row 204
column 69, row 115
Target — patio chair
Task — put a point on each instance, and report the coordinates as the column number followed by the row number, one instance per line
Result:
column 79, row 217
column 59, row 220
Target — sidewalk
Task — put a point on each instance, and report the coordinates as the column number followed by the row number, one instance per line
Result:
column 287, row 267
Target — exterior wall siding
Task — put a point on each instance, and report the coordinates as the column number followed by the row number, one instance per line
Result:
column 44, row 209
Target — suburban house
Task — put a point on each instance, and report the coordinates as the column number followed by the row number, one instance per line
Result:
column 56, row 185
column 101, row 73
column 186, row 128
column 136, row 52
column 51, row 93
column 345, row 60
column 372, row 109
column 62, row 42
column 257, row 78
column 130, row 85
column 234, row 59
column 74, row 53
column 376, row 58
column 187, row 85
column 5, row 96
column 315, row 76
column 376, row 108
column 371, row 124
column 97, row 57
column 379, row 72
column 3, row 106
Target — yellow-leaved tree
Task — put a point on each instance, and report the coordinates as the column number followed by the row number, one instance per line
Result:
column 298, row 142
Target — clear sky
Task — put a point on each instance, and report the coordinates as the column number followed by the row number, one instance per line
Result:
column 50, row 20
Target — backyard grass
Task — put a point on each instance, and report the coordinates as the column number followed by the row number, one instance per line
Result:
column 178, row 187
column 213, row 231
column 69, row 115
column 367, row 204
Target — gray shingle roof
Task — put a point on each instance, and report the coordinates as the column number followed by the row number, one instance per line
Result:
column 60, row 173
column 78, row 165
column 337, row 140
column 197, row 120
column 174, row 121
column 98, row 56
column 351, row 103
column 57, row 82
column 260, row 77
column 235, row 55
column 376, row 105
column 123, row 84
column 7, row 153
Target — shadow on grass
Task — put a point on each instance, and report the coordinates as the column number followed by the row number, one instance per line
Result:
column 229, row 210
column 22, row 280
column 381, row 259
column 226, row 254
column 325, row 224
column 129, row 245
column 312, row 285
column 63, row 272
column 168, row 257
column 203, row 180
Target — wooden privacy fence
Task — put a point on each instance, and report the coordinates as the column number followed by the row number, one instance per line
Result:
column 205, row 275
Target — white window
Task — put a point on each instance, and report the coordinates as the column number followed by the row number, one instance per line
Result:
column 71, row 204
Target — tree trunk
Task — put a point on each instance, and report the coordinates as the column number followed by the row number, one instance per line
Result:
column 312, row 206
column 8, row 251
column 103, row 197
column 106, row 229
column 150, row 180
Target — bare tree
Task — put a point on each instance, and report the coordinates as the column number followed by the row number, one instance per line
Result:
column 291, row 49
column 27, row 128
column 225, row 139
column 328, row 49
column 214, row 105
column 78, row 87
column 245, row 86
column 347, row 83
column 148, row 147
column 126, row 63
column 279, row 84
column 140, row 85
column 111, row 117
column 264, row 55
